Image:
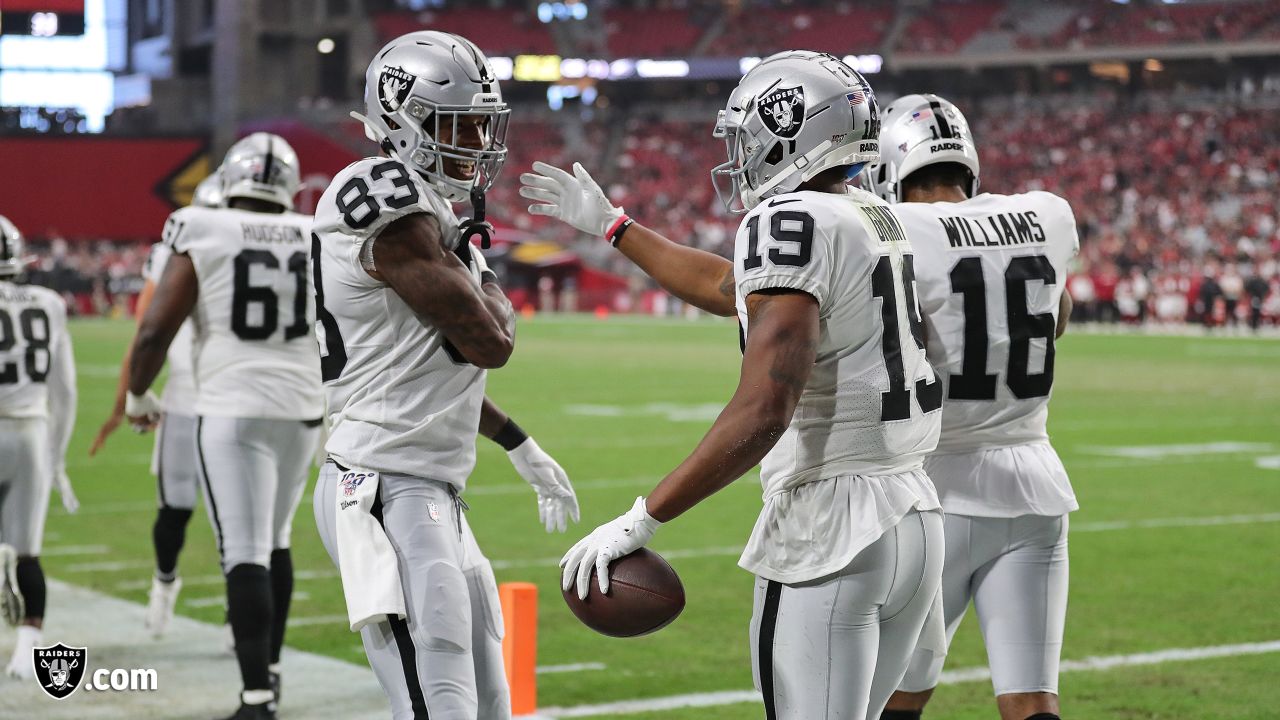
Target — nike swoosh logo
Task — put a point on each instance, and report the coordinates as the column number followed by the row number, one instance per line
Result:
column 776, row 203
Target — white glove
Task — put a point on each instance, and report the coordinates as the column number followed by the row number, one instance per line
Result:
column 612, row 540
column 146, row 407
column 574, row 199
column 63, row 483
column 557, row 504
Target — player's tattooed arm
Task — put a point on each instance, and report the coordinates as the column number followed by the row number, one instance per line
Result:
column 411, row 259
column 174, row 299
column 781, row 348
column 700, row 278
column 1065, row 305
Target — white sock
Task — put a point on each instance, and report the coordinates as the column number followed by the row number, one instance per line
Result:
column 256, row 697
column 29, row 635
column 273, row 667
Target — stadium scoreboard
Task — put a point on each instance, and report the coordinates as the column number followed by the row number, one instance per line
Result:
column 42, row 18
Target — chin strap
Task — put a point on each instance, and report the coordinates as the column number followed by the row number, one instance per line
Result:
column 476, row 224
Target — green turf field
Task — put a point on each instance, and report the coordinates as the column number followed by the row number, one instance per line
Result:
column 620, row 402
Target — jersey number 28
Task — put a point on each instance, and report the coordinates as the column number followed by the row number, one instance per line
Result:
column 36, row 360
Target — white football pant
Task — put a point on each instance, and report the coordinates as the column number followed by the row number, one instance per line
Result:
column 173, row 462
column 25, row 479
column 446, row 656
column 1015, row 570
column 253, row 472
column 835, row 648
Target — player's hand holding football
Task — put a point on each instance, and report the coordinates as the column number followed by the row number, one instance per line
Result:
column 612, row 540
column 574, row 199
column 557, row 503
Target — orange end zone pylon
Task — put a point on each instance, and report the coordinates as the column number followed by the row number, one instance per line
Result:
column 520, row 644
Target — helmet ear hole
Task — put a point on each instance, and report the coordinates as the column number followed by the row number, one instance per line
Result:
column 775, row 154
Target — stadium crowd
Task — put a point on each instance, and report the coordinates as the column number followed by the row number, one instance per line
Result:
column 1174, row 199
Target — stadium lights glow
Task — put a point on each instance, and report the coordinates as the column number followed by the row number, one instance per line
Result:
column 550, row 12
column 865, row 64
column 553, row 68
column 325, row 46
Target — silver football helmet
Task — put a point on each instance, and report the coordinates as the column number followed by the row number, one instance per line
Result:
column 13, row 255
column 261, row 166
column 791, row 117
column 418, row 91
column 208, row 192
column 920, row 130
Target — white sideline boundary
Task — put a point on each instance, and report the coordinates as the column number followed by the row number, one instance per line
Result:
column 951, row 677
column 198, row 680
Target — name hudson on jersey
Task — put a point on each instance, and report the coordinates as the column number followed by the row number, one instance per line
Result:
column 1003, row 229
column 271, row 234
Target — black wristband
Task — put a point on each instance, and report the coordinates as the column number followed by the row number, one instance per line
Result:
column 618, row 229
column 510, row 436
column 488, row 276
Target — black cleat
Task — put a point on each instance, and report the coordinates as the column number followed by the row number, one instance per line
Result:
column 263, row 711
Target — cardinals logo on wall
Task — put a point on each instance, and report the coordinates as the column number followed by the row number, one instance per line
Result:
column 59, row 669
column 393, row 88
column 783, row 111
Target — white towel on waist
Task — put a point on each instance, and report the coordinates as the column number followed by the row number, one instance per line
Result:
column 366, row 559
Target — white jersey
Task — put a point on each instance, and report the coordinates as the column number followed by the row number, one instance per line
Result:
column 870, row 411
column 401, row 398
column 37, row 368
column 991, row 272
column 254, row 351
column 180, row 386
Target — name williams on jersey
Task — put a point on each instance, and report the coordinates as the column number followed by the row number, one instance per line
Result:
column 999, row 230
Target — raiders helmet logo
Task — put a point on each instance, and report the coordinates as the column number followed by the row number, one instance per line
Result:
column 393, row 88
column 59, row 669
column 783, row 111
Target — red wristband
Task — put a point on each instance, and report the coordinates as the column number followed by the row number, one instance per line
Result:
column 616, row 230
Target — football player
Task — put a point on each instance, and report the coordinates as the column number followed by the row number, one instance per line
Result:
column 411, row 318
column 37, row 413
column 173, row 460
column 835, row 395
column 242, row 274
column 992, row 272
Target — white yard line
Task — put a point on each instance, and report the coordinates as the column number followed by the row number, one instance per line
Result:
column 1176, row 522
column 197, row 678
column 64, row 550
column 338, row 620
column 570, row 668
column 734, row 697
column 113, row 566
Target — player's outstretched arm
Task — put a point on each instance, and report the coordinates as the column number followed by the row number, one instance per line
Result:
column 175, row 297
column 700, row 278
column 122, row 385
column 479, row 321
column 780, row 352
column 557, row 503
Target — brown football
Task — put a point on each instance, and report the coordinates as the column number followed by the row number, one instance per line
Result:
column 645, row 595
